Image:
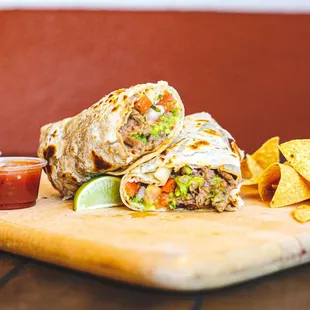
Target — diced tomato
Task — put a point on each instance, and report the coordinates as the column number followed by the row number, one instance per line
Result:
column 169, row 186
column 167, row 101
column 166, row 97
column 163, row 200
column 132, row 188
column 143, row 104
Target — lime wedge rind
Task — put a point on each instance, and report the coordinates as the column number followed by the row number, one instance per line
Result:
column 99, row 192
column 100, row 206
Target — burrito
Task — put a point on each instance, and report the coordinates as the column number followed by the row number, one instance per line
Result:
column 199, row 170
column 122, row 130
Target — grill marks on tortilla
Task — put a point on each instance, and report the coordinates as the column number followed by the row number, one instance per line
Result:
column 54, row 134
column 115, row 108
column 72, row 149
column 98, row 104
column 99, row 163
column 48, row 168
column 49, row 153
column 114, row 96
column 147, row 90
column 235, row 149
column 176, row 145
column 171, row 160
column 198, row 144
column 212, row 132
column 69, row 175
column 119, row 91
column 201, row 122
column 233, row 146
column 113, row 100
column 165, row 152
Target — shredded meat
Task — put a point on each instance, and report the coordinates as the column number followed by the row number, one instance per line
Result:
column 202, row 197
column 213, row 194
column 136, row 145
column 152, row 143
column 228, row 177
column 220, row 200
column 193, row 187
column 207, row 173
column 137, row 125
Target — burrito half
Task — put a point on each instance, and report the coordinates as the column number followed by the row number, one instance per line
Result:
column 123, row 129
column 199, row 170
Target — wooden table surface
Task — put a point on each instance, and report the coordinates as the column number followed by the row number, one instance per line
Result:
column 27, row 284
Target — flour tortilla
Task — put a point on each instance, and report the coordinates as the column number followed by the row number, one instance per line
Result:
column 89, row 144
column 202, row 142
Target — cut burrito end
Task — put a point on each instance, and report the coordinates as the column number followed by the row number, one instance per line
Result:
column 153, row 118
column 188, row 188
column 200, row 170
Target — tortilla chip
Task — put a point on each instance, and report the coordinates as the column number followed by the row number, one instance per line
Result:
column 282, row 186
column 302, row 213
column 245, row 170
column 254, row 165
column 250, row 171
column 297, row 153
column 252, row 181
column 268, row 153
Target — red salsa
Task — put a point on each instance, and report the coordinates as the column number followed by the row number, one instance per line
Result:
column 19, row 181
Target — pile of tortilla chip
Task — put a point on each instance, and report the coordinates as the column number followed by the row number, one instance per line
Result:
column 282, row 184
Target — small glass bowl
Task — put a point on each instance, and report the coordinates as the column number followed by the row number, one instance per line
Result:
column 19, row 181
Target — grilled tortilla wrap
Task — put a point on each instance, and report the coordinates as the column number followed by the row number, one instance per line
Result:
column 199, row 170
column 123, row 129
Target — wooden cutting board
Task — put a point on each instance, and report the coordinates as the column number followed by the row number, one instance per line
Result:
column 175, row 250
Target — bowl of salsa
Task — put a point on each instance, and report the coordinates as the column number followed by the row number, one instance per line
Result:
column 19, row 181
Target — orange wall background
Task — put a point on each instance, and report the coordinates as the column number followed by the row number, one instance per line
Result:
column 251, row 72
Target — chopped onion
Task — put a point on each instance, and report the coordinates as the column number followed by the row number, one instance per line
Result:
column 141, row 192
column 151, row 194
column 152, row 115
column 162, row 174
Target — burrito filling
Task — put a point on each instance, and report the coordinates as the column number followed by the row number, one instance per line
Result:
column 150, row 123
column 189, row 188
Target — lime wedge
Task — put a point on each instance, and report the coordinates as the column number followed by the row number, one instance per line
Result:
column 100, row 192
